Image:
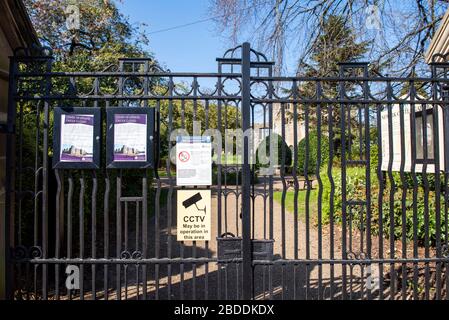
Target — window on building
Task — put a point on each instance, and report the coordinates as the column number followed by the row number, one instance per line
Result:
column 428, row 140
column 264, row 132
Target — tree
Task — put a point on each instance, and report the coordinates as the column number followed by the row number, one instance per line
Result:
column 400, row 30
column 102, row 36
column 336, row 44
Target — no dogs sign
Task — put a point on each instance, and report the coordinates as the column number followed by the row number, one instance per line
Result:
column 193, row 161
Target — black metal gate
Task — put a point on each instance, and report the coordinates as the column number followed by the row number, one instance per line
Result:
column 357, row 207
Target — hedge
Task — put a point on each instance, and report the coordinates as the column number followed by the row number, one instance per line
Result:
column 355, row 190
column 314, row 152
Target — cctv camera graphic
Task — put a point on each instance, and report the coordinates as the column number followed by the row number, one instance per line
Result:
column 193, row 200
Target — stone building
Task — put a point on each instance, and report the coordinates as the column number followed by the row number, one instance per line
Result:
column 128, row 151
column 289, row 128
column 77, row 152
column 440, row 41
column 261, row 131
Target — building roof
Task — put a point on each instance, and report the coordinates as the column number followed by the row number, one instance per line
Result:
column 16, row 24
column 440, row 41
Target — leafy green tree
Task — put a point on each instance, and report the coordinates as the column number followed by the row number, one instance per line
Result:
column 103, row 35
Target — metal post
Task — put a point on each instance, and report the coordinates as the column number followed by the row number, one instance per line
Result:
column 246, row 175
column 445, row 105
column 446, row 131
column 7, row 282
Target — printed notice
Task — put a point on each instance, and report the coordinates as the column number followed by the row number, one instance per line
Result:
column 396, row 135
column 77, row 138
column 397, row 158
column 130, row 137
column 194, row 223
column 193, row 161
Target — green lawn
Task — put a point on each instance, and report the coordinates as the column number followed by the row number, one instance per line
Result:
column 290, row 200
column 229, row 159
column 163, row 173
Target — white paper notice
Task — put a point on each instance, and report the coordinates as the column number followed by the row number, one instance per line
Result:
column 396, row 135
column 397, row 157
column 193, row 161
column 77, row 138
column 130, row 137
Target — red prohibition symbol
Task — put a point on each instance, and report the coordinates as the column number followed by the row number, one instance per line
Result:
column 184, row 156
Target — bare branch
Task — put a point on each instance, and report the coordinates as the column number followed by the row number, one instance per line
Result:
column 290, row 27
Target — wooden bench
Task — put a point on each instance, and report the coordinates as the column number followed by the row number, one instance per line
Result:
column 291, row 182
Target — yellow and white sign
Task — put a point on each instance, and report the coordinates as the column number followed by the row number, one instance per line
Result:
column 194, row 211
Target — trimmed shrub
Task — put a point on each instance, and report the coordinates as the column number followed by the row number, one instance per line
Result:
column 232, row 178
column 278, row 153
column 392, row 203
column 316, row 152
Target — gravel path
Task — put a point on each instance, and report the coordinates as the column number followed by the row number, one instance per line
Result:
column 187, row 281
column 305, row 280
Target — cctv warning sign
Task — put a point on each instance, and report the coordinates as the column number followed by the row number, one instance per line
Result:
column 193, row 221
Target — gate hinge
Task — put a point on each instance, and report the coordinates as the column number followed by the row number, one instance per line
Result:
column 230, row 249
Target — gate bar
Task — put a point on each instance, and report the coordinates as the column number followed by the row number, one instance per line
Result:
column 247, row 276
column 8, row 238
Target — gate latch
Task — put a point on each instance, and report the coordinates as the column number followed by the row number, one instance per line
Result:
column 230, row 249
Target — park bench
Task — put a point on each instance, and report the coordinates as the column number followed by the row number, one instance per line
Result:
column 301, row 180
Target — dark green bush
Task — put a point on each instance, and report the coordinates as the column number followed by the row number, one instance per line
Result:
column 390, row 202
column 315, row 153
column 232, row 178
column 278, row 153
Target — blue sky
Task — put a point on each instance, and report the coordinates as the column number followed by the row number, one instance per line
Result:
column 191, row 48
